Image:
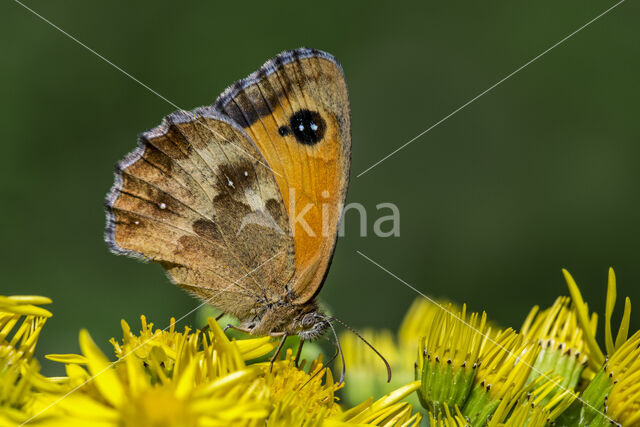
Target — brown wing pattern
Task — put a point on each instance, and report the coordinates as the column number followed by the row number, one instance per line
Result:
column 296, row 110
column 197, row 197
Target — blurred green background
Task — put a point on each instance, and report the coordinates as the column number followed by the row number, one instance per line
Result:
column 540, row 173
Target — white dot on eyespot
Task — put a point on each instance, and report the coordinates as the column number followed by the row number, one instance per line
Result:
column 136, row 222
column 314, row 126
column 246, row 173
column 230, row 183
column 163, row 206
column 301, row 128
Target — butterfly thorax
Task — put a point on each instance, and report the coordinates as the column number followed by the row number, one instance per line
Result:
column 306, row 320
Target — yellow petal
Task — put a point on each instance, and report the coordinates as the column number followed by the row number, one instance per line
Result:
column 383, row 406
column 228, row 381
column 42, row 383
column 136, row 375
column 623, row 332
column 255, row 347
column 25, row 309
column 352, row 412
column 30, row 299
column 186, row 381
column 258, row 351
column 102, row 370
column 77, row 359
column 609, row 306
column 597, row 358
column 396, row 395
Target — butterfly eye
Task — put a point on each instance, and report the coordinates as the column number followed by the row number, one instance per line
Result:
column 307, row 126
column 307, row 321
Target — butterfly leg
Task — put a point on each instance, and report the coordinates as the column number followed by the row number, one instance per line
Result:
column 297, row 359
column 275, row 355
column 237, row 328
column 206, row 327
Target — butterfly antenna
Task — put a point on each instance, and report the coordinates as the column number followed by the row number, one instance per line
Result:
column 386, row 364
column 342, row 374
column 321, row 370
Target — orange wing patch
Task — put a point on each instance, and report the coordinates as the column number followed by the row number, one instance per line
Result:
column 296, row 110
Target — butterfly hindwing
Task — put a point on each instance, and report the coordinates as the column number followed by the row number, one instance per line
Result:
column 296, row 110
column 198, row 197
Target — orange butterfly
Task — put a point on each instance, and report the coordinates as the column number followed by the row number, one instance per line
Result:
column 240, row 201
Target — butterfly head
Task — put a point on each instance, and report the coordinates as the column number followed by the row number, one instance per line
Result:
column 312, row 325
column 306, row 321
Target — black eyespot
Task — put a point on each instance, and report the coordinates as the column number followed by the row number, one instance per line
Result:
column 307, row 126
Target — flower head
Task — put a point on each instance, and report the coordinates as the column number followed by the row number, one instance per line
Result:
column 623, row 402
column 534, row 405
column 169, row 378
column 505, row 365
column 21, row 322
column 561, row 344
column 589, row 322
column 613, row 395
column 290, row 386
column 448, row 357
column 467, row 373
column 363, row 375
column 163, row 378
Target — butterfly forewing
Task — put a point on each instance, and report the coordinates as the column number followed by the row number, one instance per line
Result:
column 296, row 110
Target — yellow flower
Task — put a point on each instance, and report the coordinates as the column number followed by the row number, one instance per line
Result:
column 535, row 405
column 505, row 365
column 613, row 393
column 23, row 342
column 589, row 323
column 298, row 397
column 315, row 389
column 623, row 403
column 169, row 378
column 524, row 407
column 466, row 374
column 448, row 418
column 613, row 396
column 21, row 321
column 365, row 372
column 164, row 378
column 448, row 358
column 418, row 319
column 561, row 342
column 531, row 377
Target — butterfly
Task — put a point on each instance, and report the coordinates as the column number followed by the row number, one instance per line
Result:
column 240, row 201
